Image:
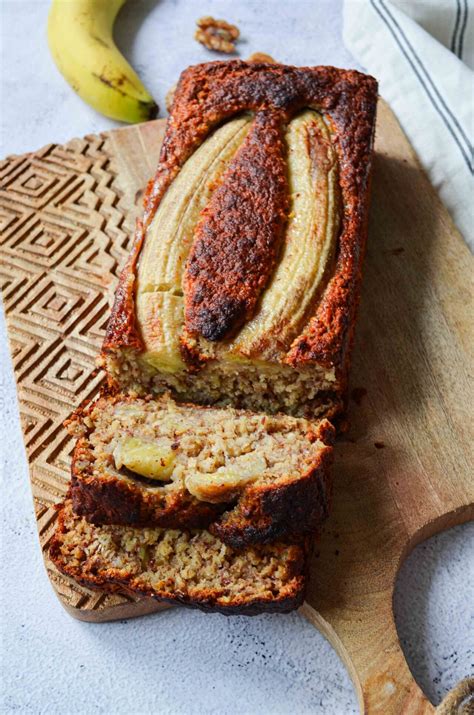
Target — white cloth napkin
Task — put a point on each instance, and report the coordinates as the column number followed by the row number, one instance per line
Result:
column 422, row 53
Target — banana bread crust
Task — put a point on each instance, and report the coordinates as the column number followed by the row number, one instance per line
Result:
column 110, row 579
column 206, row 95
column 260, row 514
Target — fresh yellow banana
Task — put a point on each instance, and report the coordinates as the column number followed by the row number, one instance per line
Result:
column 81, row 43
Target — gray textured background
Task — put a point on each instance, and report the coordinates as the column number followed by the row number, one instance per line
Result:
column 185, row 662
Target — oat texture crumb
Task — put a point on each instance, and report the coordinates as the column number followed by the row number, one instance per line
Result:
column 170, row 97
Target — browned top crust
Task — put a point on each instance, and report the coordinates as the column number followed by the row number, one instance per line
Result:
column 236, row 242
column 206, row 95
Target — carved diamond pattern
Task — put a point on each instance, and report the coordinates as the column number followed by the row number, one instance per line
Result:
column 65, row 224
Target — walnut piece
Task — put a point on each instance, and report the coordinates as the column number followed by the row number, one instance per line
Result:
column 216, row 35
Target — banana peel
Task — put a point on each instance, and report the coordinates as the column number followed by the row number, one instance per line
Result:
column 80, row 38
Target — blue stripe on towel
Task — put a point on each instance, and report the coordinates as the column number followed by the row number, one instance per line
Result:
column 463, row 30
column 431, row 90
column 457, row 25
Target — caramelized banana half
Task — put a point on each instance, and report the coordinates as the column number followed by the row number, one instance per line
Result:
column 309, row 245
column 159, row 298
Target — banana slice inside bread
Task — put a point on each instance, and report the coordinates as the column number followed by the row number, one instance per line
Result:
column 249, row 477
column 144, row 458
column 193, row 568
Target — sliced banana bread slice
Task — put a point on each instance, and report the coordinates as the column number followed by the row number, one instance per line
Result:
column 193, row 568
column 249, row 477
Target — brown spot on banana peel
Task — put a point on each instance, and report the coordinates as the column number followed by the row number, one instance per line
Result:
column 100, row 41
column 151, row 107
column 113, row 85
column 109, row 83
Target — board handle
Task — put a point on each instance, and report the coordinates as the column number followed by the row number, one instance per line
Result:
column 378, row 670
column 459, row 701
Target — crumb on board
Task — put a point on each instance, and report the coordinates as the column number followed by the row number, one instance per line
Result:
column 262, row 57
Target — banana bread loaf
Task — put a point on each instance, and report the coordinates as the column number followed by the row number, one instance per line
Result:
column 190, row 568
column 243, row 281
column 240, row 291
column 249, row 477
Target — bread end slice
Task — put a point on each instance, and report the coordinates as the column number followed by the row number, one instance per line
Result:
column 190, row 568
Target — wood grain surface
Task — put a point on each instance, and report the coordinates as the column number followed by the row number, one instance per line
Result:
column 403, row 470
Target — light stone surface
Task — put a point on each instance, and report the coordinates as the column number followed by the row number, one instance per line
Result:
column 183, row 662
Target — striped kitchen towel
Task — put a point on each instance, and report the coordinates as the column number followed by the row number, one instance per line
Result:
column 422, row 53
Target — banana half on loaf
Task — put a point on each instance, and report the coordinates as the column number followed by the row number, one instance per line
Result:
column 200, row 471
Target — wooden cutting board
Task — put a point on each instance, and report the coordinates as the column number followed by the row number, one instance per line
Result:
column 403, row 469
